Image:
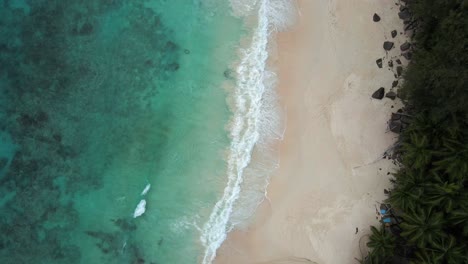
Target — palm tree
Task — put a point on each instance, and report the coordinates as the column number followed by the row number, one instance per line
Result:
column 447, row 250
column 442, row 194
column 423, row 256
column 408, row 190
column 460, row 217
column 453, row 160
column 417, row 151
column 405, row 198
column 422, row 226
column 381, row 242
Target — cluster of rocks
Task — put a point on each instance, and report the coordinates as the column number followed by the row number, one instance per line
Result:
column 399, row 120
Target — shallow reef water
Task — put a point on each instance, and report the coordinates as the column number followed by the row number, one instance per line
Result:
column 98, row 99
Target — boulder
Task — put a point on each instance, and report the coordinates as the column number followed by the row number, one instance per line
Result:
column 405, row 119
column 408, row 55
column 379, row 63
column 399, row 70
column 404, row 15
column 395, row 126
column 394, row 33
column 376, row 18
column 379, row 93
column 390, row 63
column 405, row 46
column 398, row 61
column 395, row 116
column 388, row 45
column 392, row 95
column 394, row 83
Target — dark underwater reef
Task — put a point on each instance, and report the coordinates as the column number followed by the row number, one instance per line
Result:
column 75, row 76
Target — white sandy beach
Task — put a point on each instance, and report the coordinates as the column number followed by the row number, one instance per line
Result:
column 331, row 173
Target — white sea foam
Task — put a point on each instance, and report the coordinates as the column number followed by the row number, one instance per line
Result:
column 147, row 188
column 255, row 122
column 140, row 209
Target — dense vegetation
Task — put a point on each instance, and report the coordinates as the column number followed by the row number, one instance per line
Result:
column 430, row 190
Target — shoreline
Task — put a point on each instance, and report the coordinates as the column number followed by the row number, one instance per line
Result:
column 331, row 172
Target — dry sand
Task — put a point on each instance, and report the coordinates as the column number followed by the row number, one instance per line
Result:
column 331, row 173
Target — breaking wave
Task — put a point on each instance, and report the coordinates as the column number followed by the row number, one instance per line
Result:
column 255, row 124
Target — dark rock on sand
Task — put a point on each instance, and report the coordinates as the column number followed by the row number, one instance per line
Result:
column 395, row 126
column 376, row 18
column 405, row 46
column 394, row 33
column 398, row 61
column 394, row 83
column 399, row 70
column 405, row 119
column 392, row 95
column 395, row 116
column 390, row 63
column 379, row 63
column 379, row 94
column 404, row 15
column 388, row 45
column 408, row 55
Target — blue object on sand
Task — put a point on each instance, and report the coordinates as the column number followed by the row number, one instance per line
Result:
column 387, row 220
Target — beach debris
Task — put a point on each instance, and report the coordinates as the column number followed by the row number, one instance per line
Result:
column 394, row 83
column 140, row 209
column 405, row 46
column 394, row 33
column 390, row 63
column 398, row 61
column 392, row 95
column 357, row 230
column 379, row 63
column 376, row 18
column 388, row 45
column 379, row 94
column 399, row 70
column 147, row 188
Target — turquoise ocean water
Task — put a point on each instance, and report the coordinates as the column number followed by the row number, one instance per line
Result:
column 98, row 100
column 127, row 128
